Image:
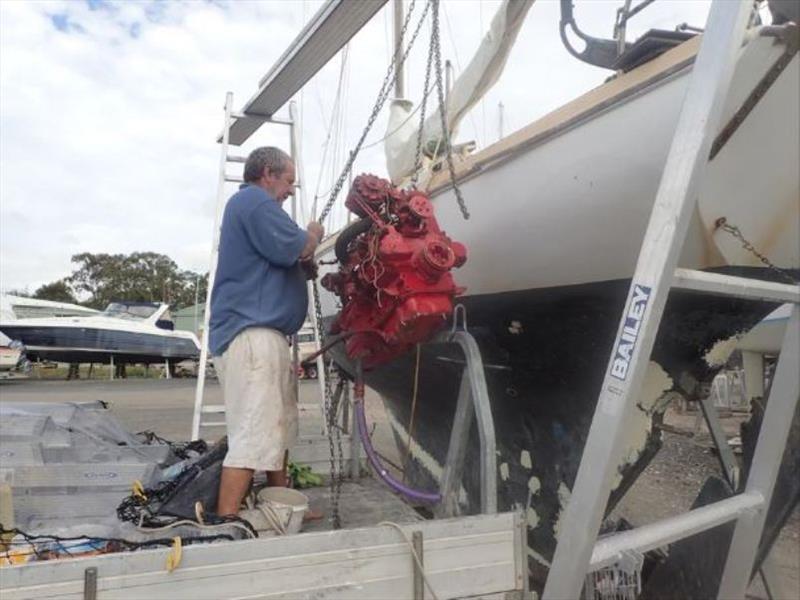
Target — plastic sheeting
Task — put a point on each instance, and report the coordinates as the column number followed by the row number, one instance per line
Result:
column 70, row 462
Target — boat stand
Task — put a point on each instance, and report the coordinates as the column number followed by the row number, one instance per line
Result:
column 473, row 397
column 579, row 552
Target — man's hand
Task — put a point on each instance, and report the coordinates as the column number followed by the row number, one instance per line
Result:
column 316, row 229
column 315, row 233
column 310, row 269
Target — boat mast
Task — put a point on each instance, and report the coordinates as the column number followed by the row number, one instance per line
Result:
column 399, row 82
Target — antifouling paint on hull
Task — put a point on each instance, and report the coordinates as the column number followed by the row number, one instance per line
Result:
column 544, row 355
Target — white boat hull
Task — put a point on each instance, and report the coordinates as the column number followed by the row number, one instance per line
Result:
column 558, row 213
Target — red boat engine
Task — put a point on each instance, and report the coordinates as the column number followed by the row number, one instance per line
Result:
column 394, row 278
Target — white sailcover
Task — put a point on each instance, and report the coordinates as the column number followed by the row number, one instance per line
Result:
column 480, row 75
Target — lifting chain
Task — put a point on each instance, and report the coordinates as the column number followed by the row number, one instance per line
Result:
column 331, row 410
column 423, row 104
column 331, row 400
column 435, row 57
column 331, row 404
column 383, row 94
column 436, row 50
column 722, row 223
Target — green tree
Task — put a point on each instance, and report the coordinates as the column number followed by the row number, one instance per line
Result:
column 58, row 291
column 138, row 277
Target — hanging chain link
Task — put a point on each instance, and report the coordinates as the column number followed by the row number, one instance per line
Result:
column 423, row 104
column 331, row 405
column 334, row 434
column 437, row 57
column 722, row 223
column 383, row 94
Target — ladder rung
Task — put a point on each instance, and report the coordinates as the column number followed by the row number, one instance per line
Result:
column 234, row 178
column 236, row 159
column 212, row 424
column 609, row 549
column 214, row 409
column 739, row 287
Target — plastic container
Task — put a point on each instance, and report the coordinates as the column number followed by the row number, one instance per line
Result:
column 286, row 506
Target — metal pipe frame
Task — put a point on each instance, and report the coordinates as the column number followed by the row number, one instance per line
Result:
column 473, row 391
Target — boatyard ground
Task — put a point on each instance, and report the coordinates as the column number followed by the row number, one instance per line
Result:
column 667, row 487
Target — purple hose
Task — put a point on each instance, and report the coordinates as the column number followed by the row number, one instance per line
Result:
column 380, row 469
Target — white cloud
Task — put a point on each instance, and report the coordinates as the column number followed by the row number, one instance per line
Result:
column 109, row 111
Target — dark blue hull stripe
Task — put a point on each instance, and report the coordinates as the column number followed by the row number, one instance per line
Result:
column 84, row 344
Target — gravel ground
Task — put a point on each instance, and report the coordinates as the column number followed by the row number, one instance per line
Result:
column 671, row 482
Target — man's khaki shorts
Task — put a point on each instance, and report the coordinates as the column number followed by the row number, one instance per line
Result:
column 260, row 401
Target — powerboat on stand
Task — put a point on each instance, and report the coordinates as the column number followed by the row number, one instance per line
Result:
column 130, row 332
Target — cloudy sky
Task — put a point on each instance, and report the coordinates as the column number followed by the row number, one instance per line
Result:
column 109, row 110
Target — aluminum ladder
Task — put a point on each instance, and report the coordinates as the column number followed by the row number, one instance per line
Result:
column 200, row 409
column 578, row 551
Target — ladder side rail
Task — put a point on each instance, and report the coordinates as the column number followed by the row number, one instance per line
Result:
column 298, row 191
column 772, row 437
column 212, row 268
column 698, row 122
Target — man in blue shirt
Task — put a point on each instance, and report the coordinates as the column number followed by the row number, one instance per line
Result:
column 259, row 298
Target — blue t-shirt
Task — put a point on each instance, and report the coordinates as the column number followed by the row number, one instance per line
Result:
column 259, row 282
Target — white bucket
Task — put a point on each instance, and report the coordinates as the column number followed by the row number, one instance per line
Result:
column 283, row 507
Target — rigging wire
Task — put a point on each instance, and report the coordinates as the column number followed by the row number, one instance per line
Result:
column 379, row 102
column 340, row 137
column 483, row 98
column 458, row 66
column 335, row 109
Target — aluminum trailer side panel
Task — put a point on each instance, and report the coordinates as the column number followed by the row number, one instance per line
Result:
column 464, row 557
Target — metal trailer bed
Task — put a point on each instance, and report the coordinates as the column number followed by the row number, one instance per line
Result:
column 466, row 557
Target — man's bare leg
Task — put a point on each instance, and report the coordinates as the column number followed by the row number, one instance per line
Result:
column 279, row 478
column 233, row 485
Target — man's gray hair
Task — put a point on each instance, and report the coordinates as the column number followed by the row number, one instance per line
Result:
column 273, row 159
